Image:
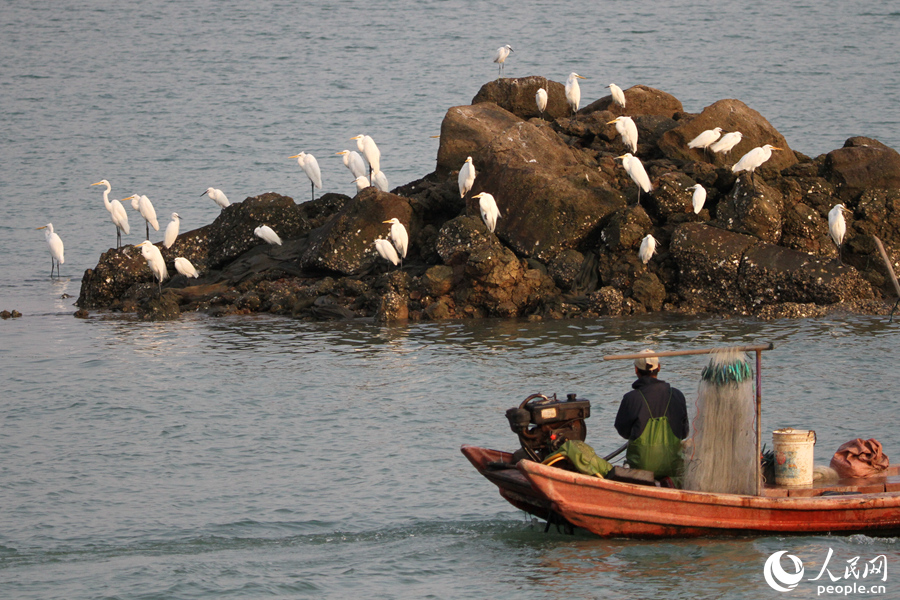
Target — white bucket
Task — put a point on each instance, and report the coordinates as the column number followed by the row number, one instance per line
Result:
column 793, row 456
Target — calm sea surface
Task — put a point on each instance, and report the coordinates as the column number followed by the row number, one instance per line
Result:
column 260, row 457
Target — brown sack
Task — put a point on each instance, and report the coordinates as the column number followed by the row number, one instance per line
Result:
column 859, row 458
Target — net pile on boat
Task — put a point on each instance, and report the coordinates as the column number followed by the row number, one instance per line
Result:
column 724, row 458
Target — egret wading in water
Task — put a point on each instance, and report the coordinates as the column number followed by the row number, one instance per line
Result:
column 635, row 169
column 466, row 177
column 540, row 99
column 184, row 266
column 387, row 251
column 56, row 247
column 361, row 183
column 699, row 197
column 500, row 57
column 370, row 151
column 753, row 159
column 727, row 142
column 705, row 139
column 354, row 162
column 573, row 91
column 399, row 237
column 489, row 211
column 143, row 205
column 618, row 95
column 310, row 166
column 647, row 249
column 267, row 234
column 627, row 130
column 837, row 227
column 172, row 231
column 155, row 261
column 217, row 196
column 116, row 212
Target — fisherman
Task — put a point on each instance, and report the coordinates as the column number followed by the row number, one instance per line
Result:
column 653, row 417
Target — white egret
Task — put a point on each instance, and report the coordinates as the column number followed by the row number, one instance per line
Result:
column 361, row 183
column 727, row 142
column 56, row 247
column 172, row 231
column 267, row 234
column 143, row 205
column 699, row 197
column 370, row 150
column 217, row 196
column 354, row 162
column 380, row 181
column 705, row 138
column 753, row 159
column 466, row 177
column 618, row 95
column 635, row 169
column 399, row 237
column 541, row 99
column 837, row 227
column 116, row 212
column 648, row 247
column 155, row 261
column 500, row 57
column 310, row 166
column 489, row 211
column 573, row 91
column 387, row 251
column 628, row 130
column 184, row 266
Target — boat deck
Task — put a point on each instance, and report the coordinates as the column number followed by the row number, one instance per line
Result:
column 889, row 481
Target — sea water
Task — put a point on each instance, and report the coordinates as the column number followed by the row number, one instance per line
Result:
column 260, row 457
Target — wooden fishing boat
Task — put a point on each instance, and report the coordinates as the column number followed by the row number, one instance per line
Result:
column 619, row 509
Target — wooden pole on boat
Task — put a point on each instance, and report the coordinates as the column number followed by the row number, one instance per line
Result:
column 887, row 263
column 754, row 348
column 759, row 483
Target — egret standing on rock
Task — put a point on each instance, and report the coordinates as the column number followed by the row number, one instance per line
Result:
column 648, row 247
column 635, row 169
column 753, row 159
column 489, row 211
column 116, row 212
column 361, row 183
column 155, row 261
column 143, row 205
column 628, row 130
column 386, row 250
column 837, row 227
column 370, row 150
column 399, row 237
column 573, row 91
column 541, row 99
column 380, row 181
column 705, row 139
column 267, row 234
column 466, row 177
column 184, row 266
column 500, row 57
column 56, row 247
column 172, row 231
column 217, row 196
column 354, row 162
column 727, row 142
column 310, row 166
column 699, row 198
column 618, row 95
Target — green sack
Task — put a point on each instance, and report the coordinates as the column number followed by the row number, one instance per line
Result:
column 657, row 449
column 582, row 456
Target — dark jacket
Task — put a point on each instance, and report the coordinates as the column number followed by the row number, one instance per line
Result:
column 633, row 415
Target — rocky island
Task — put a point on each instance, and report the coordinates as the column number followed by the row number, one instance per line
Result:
column 566, row 243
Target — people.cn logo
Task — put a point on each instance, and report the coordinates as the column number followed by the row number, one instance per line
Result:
column 779, row 579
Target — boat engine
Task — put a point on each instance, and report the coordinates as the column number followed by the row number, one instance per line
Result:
column 543, row 423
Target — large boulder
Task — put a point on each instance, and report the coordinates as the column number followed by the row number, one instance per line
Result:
column 550, row 196
column 755, row 209
column 345, row 243
column 730, row 115
column 639, row 100
column 863, row 163
column 465, row 130
column 517, row 95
